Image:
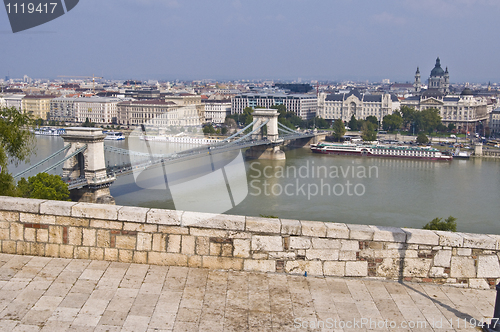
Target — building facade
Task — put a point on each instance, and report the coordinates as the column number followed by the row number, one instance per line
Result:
column 99, row 110
column 345, row 105
column 159, row 114
column 495, row 121
column 63, row 109
column 37, row 106
column 14, row 100
column 303, row 105
column 217, row 110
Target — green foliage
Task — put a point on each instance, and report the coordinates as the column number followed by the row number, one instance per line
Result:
column 268, row 216
column 368, row 131
column 209, row 130
column 422, row 138
column 451, row 126
column 372, row 119
column 354, row 124
column 87, row 123
column 39, row 122
column 338, row 129
column 44, row 186
column 247, row 117
column 430, row 119
column 392, row 122
column 427, row 120
column 224, row 130
column 437, row 224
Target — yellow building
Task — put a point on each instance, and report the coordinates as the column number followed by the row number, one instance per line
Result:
column 38, row 106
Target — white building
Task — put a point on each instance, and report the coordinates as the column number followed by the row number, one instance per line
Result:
column 345, row 105
column 63, row 109
column 495, row 121
column 303, row 105
column 217, row 110
column 14, row 100
column 97, row 109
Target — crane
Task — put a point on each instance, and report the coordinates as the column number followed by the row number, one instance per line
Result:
column 92, row 77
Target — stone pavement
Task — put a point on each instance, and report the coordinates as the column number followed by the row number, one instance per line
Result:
column 55, row 294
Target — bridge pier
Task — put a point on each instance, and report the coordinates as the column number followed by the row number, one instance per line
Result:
column 87, row 168
column 271, row 152
column 265, row 152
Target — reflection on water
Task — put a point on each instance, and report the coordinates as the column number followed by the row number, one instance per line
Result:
column 403, row 193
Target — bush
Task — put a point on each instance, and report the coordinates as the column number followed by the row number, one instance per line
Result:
column 437, row 224
column 422, row 138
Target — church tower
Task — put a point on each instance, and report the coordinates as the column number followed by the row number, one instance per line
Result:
column 417, row 85
column 446, row 84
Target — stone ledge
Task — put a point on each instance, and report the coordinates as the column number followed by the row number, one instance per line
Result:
column 421, row 236
column 19, row 204
column 57, row 208
column 211, row 220
column 95, row 211
column 263, row 225
column 133, row 214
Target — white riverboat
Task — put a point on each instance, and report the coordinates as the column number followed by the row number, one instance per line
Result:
column 388, row 151
column 114, row 136
column 47, row 131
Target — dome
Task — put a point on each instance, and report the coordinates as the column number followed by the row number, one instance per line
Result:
column 466, row 92
column 437, row 71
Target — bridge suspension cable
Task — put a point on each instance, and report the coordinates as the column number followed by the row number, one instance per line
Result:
column 83, row 148
column 285, row 128
column 41, row 162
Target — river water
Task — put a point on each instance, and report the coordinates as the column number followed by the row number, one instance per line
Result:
column 306, row 186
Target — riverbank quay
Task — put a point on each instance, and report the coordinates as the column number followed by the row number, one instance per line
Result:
column 61, row 294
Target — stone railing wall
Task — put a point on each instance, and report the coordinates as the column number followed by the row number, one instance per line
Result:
column 165, row 237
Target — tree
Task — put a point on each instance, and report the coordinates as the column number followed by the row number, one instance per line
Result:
column 430, row 119
column 422, row 138
column 247, row 117
column 354, row 124
column 87, row 123
column 338, row 129
column 209, row 130
column 16, row 145
column 437, row 224
column 392, row 122
column 451, row 126
column 44, row 186
column 408, row 114
column 368, row 132
column 372, row 119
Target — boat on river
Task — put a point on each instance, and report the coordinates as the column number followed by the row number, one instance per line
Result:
column 385, row 151
column 47, row 131
column 114, row 136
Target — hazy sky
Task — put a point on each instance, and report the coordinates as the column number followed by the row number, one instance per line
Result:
column 267, row 39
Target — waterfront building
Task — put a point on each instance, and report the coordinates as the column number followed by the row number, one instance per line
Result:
column 14, row 100
column 63, row 109
column 37, row 106
column 183, row 99
column 159, row 113
column 216, row 110
column 303, row 105
column 495, row 121
column 98, row 110
column 345, row 105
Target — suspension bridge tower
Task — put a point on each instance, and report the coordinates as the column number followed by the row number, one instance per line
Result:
column 85, row 170
column 272, row 150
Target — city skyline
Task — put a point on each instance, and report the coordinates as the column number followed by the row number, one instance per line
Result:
column 281, row 40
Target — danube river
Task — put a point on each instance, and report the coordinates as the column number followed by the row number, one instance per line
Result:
column 376, row 191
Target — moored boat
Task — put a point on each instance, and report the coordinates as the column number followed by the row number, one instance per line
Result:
column 114, row 136
column 388, row 151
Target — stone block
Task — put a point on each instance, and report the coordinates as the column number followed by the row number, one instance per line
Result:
column 95, row 211
column 241, row 248
column 283, row 255
column 75, row 236
column 488, row 266
column 462, row 267
column 322, row 254
column 103, row 238
column 336, row 230
column 211, row 220
column 173, row 230
column 478, row 284
column 55, row 234
column 263, row 225
column 66, row 251
column 89, row 237
column 300, row 267
column 188, row 244
column 32, row 218
column 38, row 249
column 4, row 234
column 442, row 258
column 356, row 269
column 30, row 234
column 9, row 247
column 144, row 241
column 52, row 250
column 259, row 265
column 347, row 256
column 140, row 227
column 267, row 243
column 417, row 267
column 224, row 263
column 82, row 252
column 133, row 214
column 479, row 241
column 20, row 204
column 57, row 208
column 16, row 231
column 8, row 216
column 336, row 269
column 164, row 217
column 140, row 257
column 299, row 242
column 106, row 224
column 202, row 246
column 160, row 242
column 360, row 232
column 111, row 254
column 349, row 245
column 208, row 232
column 464, row 251
column 388, row 234
column 97, row 253
column 125, row 256
column 290, row 227
column 194, row 261
column 227, row 250
column 313, row 228
column 174, row 243
column 450, row 239
column 437, row 272
column 72, row 221
column 325, row 243
column 395, row 245
column 421, row 236
column 23, row 248
column 215, row 249
column 260, row 255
